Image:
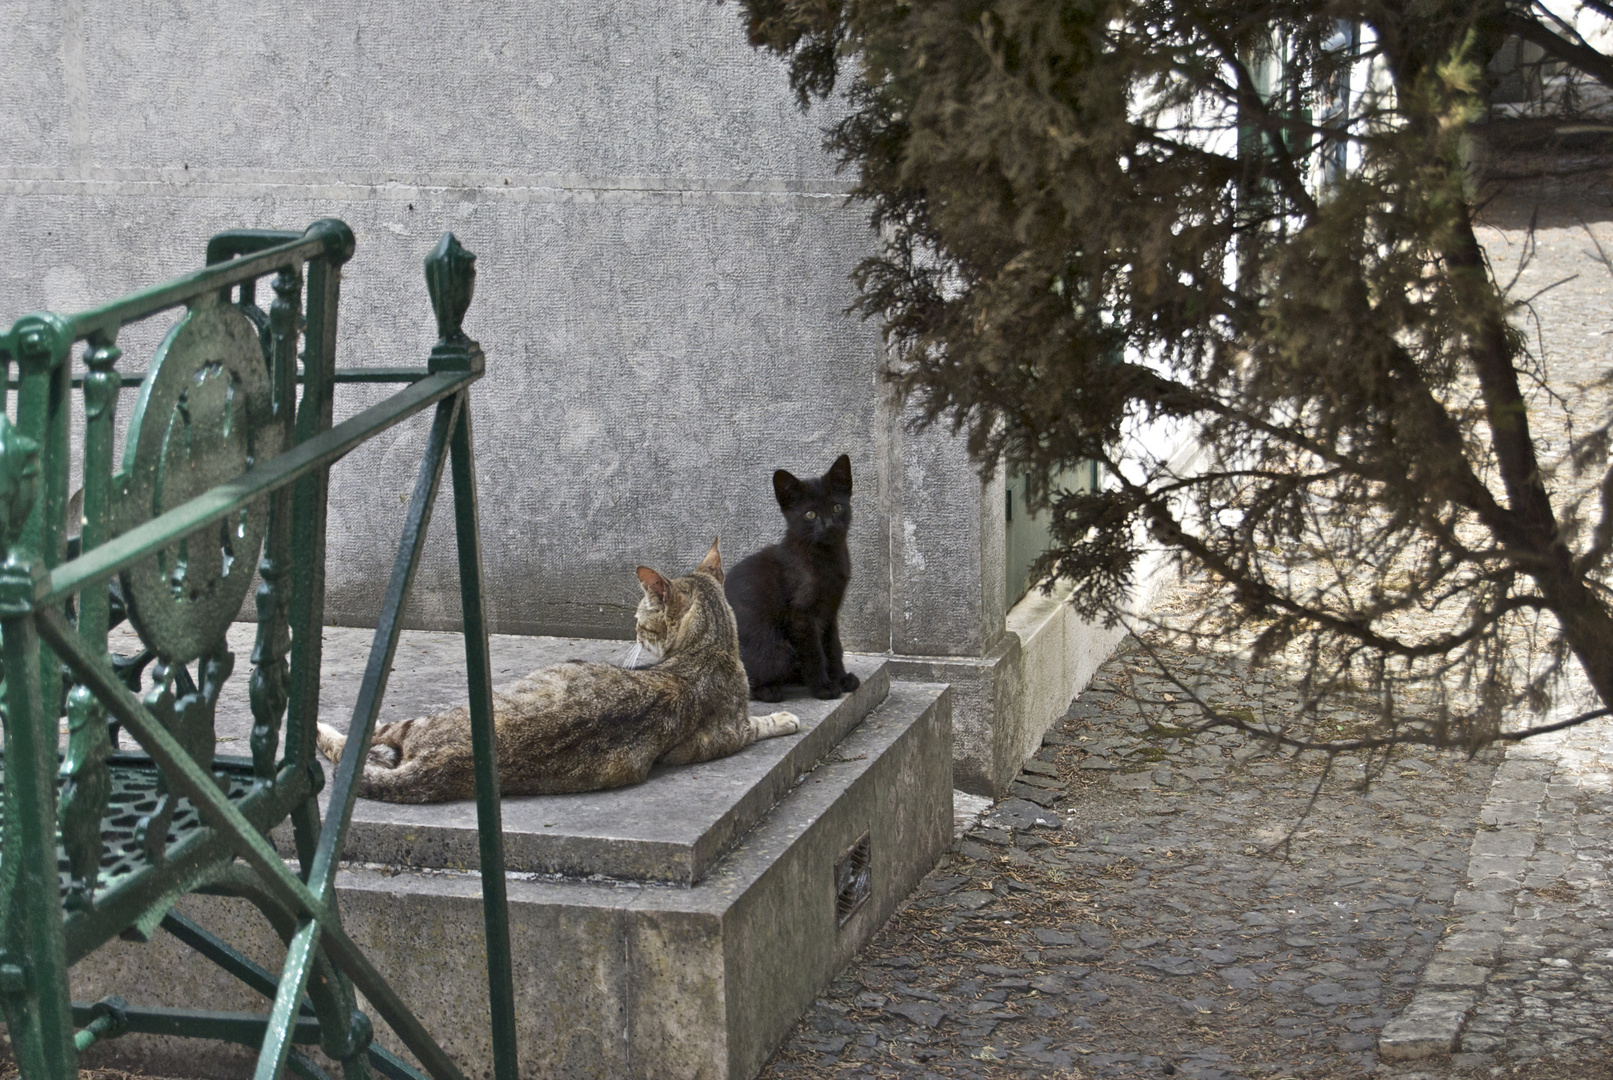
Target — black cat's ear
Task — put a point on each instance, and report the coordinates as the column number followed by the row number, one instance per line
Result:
column 786, row 488
column 839, row 474
column 712, row 563
column 654, row 584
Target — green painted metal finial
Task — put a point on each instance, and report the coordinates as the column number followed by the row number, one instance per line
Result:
column 40, row 341
column 451, row 279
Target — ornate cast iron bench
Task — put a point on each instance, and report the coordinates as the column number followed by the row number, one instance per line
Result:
column 224, row 470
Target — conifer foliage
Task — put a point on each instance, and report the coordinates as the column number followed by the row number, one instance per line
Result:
column 1247, row 222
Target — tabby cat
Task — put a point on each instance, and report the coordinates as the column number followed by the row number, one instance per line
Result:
column 583, row 727
column 787, row 596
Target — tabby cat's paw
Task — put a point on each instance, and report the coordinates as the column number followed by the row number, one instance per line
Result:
column 331, row 743
column 849, row 682
column 774, row 724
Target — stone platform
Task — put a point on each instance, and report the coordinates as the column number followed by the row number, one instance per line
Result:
column 675, row 929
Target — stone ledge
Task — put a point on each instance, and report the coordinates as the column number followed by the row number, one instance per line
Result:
column 1453, row 974
column 1429, row 1026
column 673, row 827
column 612, row 979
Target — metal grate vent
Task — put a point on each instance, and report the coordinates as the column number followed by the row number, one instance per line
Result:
column 854, row 879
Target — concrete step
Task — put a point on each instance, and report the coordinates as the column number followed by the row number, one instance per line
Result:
column 673, row 827
column 674, row 929
column 670, row 828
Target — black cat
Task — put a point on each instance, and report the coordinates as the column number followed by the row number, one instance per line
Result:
column 786, row 598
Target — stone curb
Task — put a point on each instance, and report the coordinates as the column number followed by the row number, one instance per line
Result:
column 1509, row 834
column 1428, row 1027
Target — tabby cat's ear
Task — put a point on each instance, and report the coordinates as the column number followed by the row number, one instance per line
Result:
column 839, row 474
column 712, row 563
column 654, row 584
column 786, row 488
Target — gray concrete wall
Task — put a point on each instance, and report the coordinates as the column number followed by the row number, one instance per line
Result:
column 946, row 542
column 661, row 283
column 662, row 280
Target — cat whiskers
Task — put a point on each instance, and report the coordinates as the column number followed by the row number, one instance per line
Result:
column 640, row 657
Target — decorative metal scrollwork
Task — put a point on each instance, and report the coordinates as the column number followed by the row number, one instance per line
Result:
column 204, row 417
column 19, row 477
column 86, row 780
column 86, row 789
column 271, row 671
column 187, row 711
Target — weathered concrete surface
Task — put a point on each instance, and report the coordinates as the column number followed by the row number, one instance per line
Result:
column 663, row 258
column 1060, row 651
column 617, row 407
column 1006, row 700
column 673, row 827
column 1427, row 1027
column 619, row 979
column 946, row 544
column 985, row 699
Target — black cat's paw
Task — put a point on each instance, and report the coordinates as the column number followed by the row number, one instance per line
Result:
column 767, row 693
column 849, row 682
column 826, row 691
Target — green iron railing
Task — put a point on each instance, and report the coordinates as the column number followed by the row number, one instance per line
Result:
column 225, row 470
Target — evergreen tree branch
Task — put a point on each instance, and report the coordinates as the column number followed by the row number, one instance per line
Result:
column 1582, row 57
column 1078, row 232
column 1260, row 597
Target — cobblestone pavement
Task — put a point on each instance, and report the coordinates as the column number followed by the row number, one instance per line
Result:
column 1146, row 903
column 1524, row 972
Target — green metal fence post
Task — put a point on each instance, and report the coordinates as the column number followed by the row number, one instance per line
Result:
column 270, row 671
column 41, row 344
column 86, row 780
column 309, row 498
column 484, row 747
column 451, row 279
column 33, row 965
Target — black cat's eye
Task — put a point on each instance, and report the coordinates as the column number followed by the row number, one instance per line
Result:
column 810, row 514
column 837, row 508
